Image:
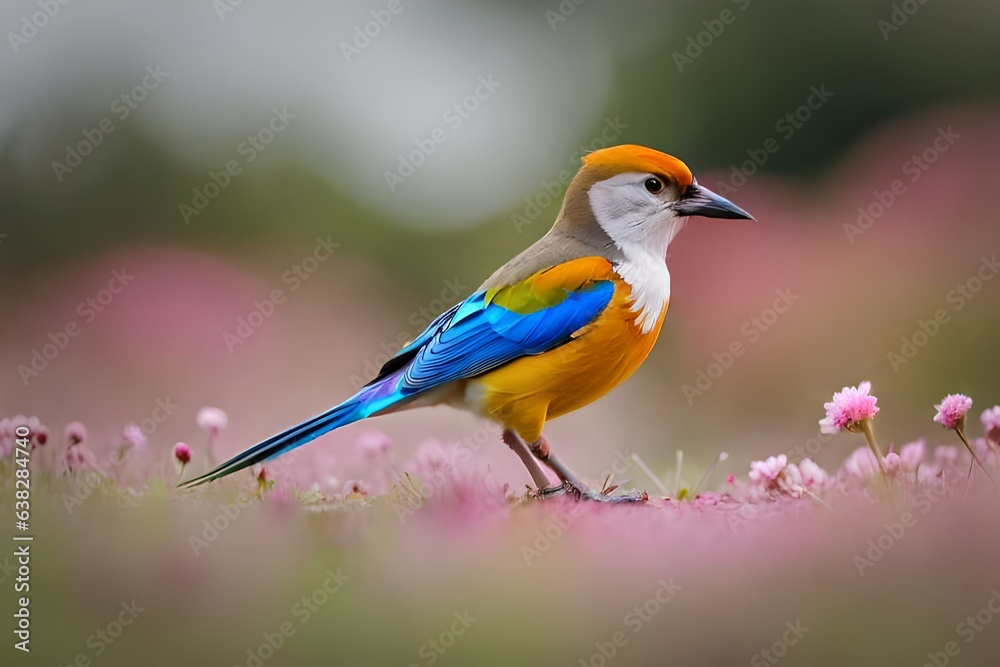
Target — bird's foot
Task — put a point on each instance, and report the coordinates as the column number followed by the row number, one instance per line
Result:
column 550, row 492
column 582, row 492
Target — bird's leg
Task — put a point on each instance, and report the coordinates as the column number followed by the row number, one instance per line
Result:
column 573, row 483
column 538, row 476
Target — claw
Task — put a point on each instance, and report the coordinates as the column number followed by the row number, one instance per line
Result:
column 551, row 492
column 581, row 492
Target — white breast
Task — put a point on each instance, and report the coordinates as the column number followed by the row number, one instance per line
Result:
column 649, row 279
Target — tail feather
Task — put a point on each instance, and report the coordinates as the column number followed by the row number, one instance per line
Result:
column 296, row 436
column 371, row 400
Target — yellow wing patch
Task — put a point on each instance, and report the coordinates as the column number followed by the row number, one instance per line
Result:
column 550, row 286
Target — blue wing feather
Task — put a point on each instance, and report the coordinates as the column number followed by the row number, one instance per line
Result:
column 488, row 336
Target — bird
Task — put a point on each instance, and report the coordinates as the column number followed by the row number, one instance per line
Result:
column 551, row 331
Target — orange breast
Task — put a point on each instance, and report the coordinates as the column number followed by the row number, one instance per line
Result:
column 525, row 393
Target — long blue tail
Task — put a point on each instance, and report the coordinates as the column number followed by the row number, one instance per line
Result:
column 368, row 401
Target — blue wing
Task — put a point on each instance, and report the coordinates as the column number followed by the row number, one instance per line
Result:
column 480, row 336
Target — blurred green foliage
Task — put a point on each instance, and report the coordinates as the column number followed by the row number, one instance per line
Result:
column 724, row 102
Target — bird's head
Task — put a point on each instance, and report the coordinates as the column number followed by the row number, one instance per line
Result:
column 635, row 194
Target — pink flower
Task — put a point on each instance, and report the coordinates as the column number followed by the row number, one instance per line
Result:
column 132, row 436
column 986, row 454
column 861, row 464
column 812, row 474
column 182, row 456
column 432, row 460
column 946, row 455
column 212, row 420
column 38, row 434
column 374, row 444
column 790, row 481
column 893, row 464
column 765, row 472
column 929, row 473
column 6, row 437
column 951, row 412
column 182, row 453
column 355, row 489
column 979, row 446
column 776, row 475
column 912, row 454
column 991, row 423
column 79, row 458
column 849, row 408
column 75, row 433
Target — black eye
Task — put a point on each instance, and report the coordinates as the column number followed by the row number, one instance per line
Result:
column 654, row 185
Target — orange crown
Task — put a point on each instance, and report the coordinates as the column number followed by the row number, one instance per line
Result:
column 630, row 157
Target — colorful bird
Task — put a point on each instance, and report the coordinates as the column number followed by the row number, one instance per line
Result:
column 551, row 331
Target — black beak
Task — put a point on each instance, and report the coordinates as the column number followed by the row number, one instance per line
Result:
column 701, row 201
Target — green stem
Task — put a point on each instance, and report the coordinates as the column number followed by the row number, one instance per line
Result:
column 975, row 458
column 866, row 425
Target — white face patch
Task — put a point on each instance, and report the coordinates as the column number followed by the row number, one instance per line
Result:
column 642, row 226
